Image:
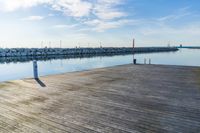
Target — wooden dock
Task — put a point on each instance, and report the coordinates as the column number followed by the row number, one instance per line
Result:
column 121, row 99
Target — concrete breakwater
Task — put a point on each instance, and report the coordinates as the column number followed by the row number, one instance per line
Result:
column 25, row 52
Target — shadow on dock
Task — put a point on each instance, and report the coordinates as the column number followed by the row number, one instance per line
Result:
column 40, row 82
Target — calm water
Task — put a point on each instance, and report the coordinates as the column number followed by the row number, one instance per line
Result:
column 12, row 71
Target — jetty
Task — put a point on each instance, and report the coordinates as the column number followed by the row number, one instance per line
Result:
column 121, row 99
column 190, row 47
column 35, row 52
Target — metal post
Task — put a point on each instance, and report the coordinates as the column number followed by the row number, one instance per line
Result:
column 134, row 60
column 144, row 60
column 149, row 61
column 35, row 69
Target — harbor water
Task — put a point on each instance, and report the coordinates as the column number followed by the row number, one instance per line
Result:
column 20, row 70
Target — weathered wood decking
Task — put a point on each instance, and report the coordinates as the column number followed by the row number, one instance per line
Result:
column 129, row 98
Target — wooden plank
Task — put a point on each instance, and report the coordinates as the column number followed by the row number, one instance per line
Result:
column 128, row 98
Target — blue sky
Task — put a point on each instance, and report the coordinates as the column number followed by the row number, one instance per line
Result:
column 39, row 23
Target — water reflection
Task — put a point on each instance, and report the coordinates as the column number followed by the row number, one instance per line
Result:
column 49, row 58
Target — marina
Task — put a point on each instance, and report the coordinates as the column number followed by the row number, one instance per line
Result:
column 99, row 66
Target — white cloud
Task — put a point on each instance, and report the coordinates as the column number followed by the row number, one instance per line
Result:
column 109, row 14
column 51, row 15
column 189, row 30
column 74, row 8
column 172, row 17
column 106, row 11
column 100, row 26
column 156, row 32
column 33, row 18
column 64, row 26
column 180, row 13
column 162, row 25
column 12, row 5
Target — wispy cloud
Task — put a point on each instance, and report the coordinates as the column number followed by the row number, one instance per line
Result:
column 33, row 18
column 175, row 26
column 12, row 5
column 100, row 25
column 180, row 13
column 107, row 16
column 74, row 8
column 190, row 29
column 64, row 26
column 104, row 11
column 51, row 15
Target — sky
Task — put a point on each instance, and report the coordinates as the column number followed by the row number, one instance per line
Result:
column 91, row 23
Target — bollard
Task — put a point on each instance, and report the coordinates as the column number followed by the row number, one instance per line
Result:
column 134, row 61
column 35, row 69
column 144, row 60
column 149, row 61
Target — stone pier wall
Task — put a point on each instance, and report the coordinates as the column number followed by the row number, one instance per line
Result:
column 25, row 52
